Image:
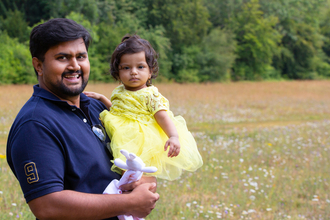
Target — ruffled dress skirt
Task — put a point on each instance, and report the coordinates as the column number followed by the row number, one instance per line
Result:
column 146, row 139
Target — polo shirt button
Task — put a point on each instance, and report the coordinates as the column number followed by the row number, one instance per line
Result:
column 85, row 120
column 73, row 109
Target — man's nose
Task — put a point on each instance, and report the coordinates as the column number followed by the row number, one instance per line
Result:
column 74, row 65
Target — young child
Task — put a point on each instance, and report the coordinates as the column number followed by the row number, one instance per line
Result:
column 139, row 119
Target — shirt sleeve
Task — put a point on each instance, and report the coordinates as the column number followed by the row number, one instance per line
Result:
column 38, row 160
column 156, row 102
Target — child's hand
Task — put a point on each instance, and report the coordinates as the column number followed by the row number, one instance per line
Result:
column 174, row 144
column 93, row 95
column 99, row 97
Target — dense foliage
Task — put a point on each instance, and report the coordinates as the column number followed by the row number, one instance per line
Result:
column 197, row 40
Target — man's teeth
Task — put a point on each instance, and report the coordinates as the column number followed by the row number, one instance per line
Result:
column 72, row 76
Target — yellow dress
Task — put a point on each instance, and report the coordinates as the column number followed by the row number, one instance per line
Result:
column 131, row 125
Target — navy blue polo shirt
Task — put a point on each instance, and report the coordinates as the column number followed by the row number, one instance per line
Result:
column 51, row 147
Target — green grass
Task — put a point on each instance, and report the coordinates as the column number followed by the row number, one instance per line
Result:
column 265, row 148
column 12, row 203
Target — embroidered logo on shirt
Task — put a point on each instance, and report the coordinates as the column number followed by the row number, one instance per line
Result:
column 31, row 172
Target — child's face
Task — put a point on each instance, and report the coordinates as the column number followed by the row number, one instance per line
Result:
column 134, row 71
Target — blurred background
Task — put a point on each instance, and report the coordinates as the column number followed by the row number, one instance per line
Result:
column 197, row 40
column 265, row 145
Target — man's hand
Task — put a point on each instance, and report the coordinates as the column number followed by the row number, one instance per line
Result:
column 144, row 179
column 144, row 200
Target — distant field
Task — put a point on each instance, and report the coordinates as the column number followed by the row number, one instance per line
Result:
column 265, row 147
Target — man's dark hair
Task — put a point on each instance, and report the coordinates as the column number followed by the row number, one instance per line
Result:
column 134, row 44
column 54, row 32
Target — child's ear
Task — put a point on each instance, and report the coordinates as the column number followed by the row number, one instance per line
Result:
column 37, row 64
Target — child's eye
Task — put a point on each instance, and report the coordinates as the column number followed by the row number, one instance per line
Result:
column 141, row 67
column 123, row 67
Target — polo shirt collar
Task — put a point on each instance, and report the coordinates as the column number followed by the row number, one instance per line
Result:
column 42, row 93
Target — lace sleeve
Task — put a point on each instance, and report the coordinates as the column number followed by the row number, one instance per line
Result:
column 156, row 102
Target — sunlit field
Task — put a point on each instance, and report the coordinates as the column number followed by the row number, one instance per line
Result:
column 265, row 147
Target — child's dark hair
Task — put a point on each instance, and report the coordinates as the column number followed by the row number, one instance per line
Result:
column 134, row 44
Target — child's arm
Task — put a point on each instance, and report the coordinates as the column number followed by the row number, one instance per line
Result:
column 169, row 128
column 99, row 97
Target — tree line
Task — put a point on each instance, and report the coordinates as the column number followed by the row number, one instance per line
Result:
column 197, row 40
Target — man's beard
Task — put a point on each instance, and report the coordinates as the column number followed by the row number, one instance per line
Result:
column 73, row 92
column 67, row 91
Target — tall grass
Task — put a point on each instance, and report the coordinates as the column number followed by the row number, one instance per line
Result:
column 265, row 147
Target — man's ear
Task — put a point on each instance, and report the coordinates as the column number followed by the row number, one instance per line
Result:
column 37, row 64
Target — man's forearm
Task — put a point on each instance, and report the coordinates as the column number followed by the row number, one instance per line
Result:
column 74, row 205
column 69, row 204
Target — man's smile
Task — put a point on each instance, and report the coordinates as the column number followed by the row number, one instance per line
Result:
column 72, row 76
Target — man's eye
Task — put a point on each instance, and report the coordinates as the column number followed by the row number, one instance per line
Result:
column 61, row 58
column 81, row 57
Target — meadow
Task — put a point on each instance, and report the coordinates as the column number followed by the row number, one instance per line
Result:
column 265, row 147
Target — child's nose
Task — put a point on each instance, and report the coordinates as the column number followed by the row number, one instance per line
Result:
column 134, row 71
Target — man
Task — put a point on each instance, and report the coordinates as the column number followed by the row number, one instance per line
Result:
column 61, row 164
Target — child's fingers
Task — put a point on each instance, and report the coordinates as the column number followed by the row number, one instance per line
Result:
column 93, row 95
column 170, row 146
column 176, row 151
column 170, row 151
column 166, row 146
column 89, row 94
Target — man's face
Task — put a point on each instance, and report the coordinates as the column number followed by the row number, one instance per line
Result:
column 65, row 70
